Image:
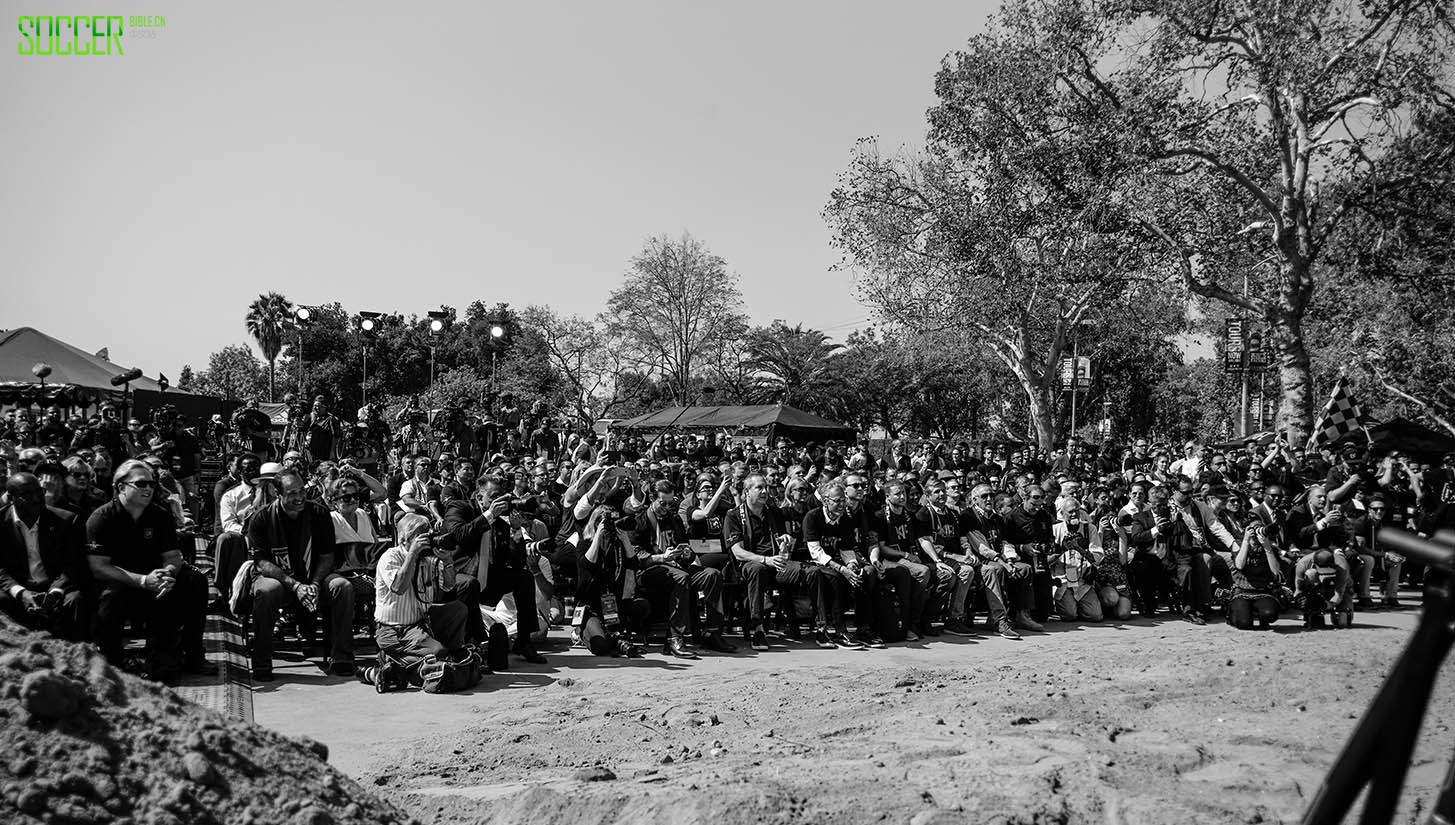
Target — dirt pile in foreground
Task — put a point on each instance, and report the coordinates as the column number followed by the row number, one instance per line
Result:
column 81, row 742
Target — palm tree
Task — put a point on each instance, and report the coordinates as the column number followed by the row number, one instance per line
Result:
column 789, row 363
column 269, row 317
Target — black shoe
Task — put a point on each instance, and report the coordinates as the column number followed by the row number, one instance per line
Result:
column 497, row 648
column 1194, row 617
column 928, row 629
column 716, row 643
column 1365, row 604
column 1008, row 632
column 868, row 639
column 847, row 642
column 675, row 646
column 957, row 627
column 262, row 673
column 760, row 640
column 821, row 638
column 341, row 668
column 528, row 653
column 1392, row 603
column 794, row 632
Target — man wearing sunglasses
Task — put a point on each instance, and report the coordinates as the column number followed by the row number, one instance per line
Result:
column 1026, row 536
column 138, row 569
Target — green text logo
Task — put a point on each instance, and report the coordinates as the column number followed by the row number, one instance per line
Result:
column 66, row 35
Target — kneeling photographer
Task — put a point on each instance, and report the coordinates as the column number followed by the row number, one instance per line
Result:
column 421, row 625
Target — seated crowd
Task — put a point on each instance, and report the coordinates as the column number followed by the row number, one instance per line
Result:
column 473, row 543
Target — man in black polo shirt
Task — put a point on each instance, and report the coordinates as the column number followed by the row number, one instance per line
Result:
column 1026, row 533
column 833, row 543
column 132, row 545
column 761, row 545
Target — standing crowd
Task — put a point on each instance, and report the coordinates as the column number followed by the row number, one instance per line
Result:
column 457, row 541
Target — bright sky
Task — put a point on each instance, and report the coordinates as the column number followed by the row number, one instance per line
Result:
column 398, row 156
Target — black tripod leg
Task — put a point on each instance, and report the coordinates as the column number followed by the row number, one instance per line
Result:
column 1398, row 744
column 1370, row 747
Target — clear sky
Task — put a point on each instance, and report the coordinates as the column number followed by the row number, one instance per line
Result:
column 398, row 156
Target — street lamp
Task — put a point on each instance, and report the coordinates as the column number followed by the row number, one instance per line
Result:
column 437, row 323
column 302, row 317
column 496, row 333
column 368, row 323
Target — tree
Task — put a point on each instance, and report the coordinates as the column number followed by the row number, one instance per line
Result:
column 788, row 365
column 988, row 231
column 233, row 373
column 1260, row 126
column 268, row 318
column 186, row 378
column 678, row 302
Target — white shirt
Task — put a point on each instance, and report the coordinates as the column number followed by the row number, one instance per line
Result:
column 32, row 553
column 235, row 507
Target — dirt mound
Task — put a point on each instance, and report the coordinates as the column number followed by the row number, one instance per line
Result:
column 82, row 742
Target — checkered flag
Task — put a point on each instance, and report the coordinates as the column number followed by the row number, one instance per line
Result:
column 1340, row 417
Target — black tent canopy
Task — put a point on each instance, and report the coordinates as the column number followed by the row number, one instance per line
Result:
column 770, row 420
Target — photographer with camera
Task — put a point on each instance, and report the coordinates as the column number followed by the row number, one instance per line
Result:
column 414, row 607
column 1076, row 548
column 667, row 567
column 492, row 560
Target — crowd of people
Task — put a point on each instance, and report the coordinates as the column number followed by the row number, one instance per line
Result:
column 458, row 537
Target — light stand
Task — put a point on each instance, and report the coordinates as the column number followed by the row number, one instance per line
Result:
column 303, row 315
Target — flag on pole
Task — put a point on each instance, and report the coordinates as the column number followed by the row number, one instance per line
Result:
column 1339, row 417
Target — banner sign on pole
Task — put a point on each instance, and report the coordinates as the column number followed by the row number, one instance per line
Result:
column 1233, row 344
column 1068, row 373
column 1083, row 373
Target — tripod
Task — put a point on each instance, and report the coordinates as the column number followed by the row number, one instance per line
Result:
column 1378, row 753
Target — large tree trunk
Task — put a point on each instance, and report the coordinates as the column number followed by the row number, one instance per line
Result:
column 272, row 371
column 1295, row 407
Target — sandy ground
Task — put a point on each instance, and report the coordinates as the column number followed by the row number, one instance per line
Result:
column 1151, row 721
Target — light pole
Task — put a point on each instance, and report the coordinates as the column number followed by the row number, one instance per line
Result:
column 303, row 316
column 496, row 332
column 437, row 323
column 368, row 329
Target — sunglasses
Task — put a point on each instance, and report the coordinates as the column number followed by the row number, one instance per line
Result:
column 1037, row 498
column 1376, row 509
column 81, row 475
column 856, row 484
column 348, row 497
column 141, row 483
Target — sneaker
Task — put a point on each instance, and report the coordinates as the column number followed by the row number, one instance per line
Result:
column 956, row 627
column 1008, row 632
column 760, row 641
column 821, row 638
column 1023, row 621
column 910, row 635
column 870, row 639
column 1194, row 617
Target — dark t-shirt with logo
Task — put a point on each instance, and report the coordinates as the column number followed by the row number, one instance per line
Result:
column 136, row 545
column 942, row 529
column 897, row 531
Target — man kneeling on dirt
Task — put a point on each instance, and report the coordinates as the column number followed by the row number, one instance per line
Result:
column 409, row 629
column 293, row 564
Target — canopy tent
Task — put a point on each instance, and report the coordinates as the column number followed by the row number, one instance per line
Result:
column 23, row 348
column 771, row 420
column 1403, row 434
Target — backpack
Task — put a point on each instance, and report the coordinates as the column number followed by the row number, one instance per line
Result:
column 449, row 676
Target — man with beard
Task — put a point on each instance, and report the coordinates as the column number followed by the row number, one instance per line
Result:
column 755, row 534
column 667, row 567
column 40, row 550
column 294, row 564
column 980, row 529
column 1365, row 530
column 1026, row 536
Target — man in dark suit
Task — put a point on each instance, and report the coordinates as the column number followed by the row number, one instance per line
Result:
column 490, row 561
column 40, row 554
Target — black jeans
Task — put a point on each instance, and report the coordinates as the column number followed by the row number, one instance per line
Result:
column 173, row 622
column 794, row 577
column 520, row 582
column 861, row 597
column 679, row 586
